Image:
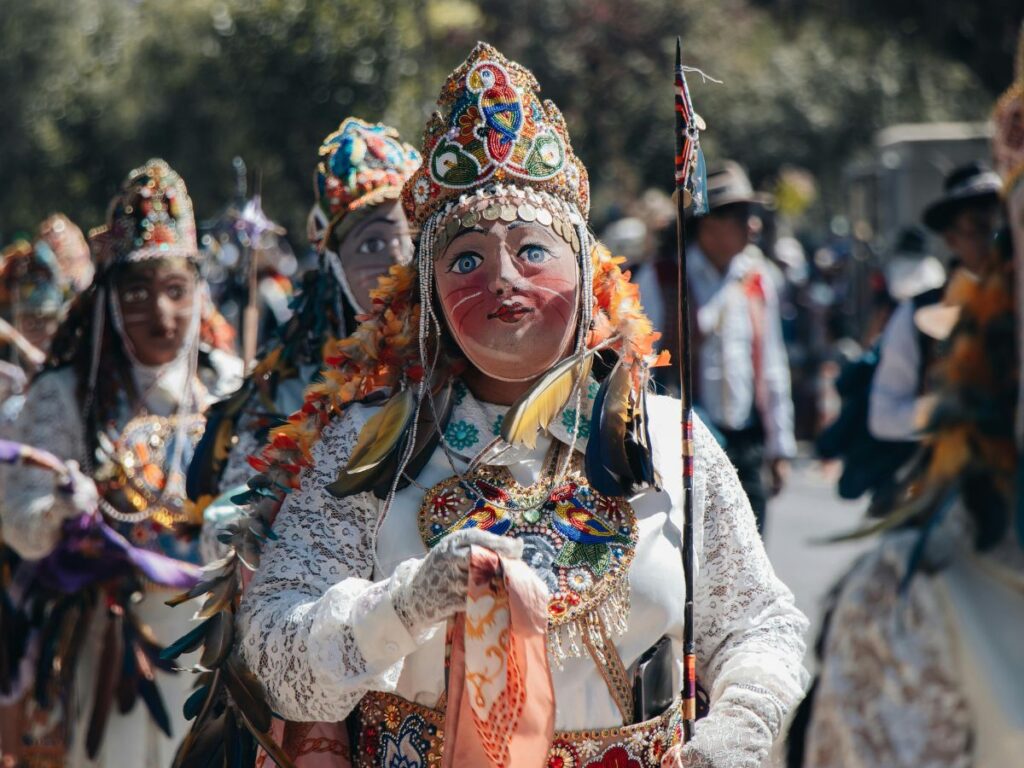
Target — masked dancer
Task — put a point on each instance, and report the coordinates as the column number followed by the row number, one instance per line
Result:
column 121, row 399
column 484, row 449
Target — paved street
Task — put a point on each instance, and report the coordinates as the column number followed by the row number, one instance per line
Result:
column 808, row 510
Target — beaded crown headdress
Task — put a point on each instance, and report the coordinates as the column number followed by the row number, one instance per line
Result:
column 493, row 130
column 69, row 245
column 361, row 164
column 150, row 218
column 30, row 279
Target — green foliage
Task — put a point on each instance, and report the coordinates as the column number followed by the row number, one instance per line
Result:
column 93, row 87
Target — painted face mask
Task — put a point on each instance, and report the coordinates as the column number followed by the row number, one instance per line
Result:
column 509, row 292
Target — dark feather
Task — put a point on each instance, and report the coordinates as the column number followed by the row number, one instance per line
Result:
column 210, row 456
column 150, row 694
column 49, row 639
column 219, row 637
column 271, row 747
column 106, row 681
column 76, row 625
column 638, row 446
column 204, row 745
column 606, row 460
column 246, row 693
column 380, row 437
column 430, row 425
column 194, row 703
column 128, row 685
column 187, row 643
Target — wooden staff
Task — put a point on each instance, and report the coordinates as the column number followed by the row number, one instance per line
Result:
column 687, row 149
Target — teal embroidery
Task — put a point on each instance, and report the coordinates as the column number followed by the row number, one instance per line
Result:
column 592, row 388
column 569, row 422
column 461, row 435
column 496, row 426
column 461, row 390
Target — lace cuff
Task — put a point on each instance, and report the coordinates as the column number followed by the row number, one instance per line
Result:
column 379, row 633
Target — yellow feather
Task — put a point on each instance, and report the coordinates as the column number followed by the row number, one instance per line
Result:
column 542, row 402
column 382, row 432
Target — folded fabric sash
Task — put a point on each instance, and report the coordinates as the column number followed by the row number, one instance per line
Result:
column 501, row 701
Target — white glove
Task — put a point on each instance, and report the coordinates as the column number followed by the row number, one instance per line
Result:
column 77, row 491
column 737, row 733
column 436, row 590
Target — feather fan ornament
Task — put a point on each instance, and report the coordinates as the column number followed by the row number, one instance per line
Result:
column 968, row 451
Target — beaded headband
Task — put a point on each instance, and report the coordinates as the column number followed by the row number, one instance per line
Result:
column 361, row 164
column 508, row 203
column 150, row 218
column 491, row 127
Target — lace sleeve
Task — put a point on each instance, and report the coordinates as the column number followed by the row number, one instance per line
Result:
column 887, row 692
column 237, row 470
column 32, row 512
column 749, row 633
column 315, row 629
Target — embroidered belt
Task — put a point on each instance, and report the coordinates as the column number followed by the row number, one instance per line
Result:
column 394, row 732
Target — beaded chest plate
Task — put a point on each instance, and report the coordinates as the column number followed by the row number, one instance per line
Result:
column 579, row 542
column 144, row 483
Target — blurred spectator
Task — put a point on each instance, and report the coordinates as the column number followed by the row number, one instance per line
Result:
column 741, row 377
column 966, row 217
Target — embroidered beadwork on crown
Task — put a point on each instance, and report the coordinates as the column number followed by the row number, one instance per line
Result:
column 150, row 218
column 491, row 126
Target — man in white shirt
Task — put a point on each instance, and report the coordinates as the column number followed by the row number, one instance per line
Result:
column 965, row 216
column 741, row 379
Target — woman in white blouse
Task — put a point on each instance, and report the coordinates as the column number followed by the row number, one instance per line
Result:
column 346, row 613
column 132, row 369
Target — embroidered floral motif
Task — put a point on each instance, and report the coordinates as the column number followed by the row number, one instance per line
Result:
column 417, row 739
column 569, row 422
column 562, row 755
column 409, row 749
column 496, row 425
column 461, row 435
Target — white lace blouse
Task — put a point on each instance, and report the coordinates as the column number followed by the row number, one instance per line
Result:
column 319, row 628
column 51, row 420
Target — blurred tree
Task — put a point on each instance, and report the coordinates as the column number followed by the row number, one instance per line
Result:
column 93, row 87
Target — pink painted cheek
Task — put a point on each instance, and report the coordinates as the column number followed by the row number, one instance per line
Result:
column 463, row 298
column 557, row 294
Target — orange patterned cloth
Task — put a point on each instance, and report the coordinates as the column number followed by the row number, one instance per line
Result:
column 501, row 701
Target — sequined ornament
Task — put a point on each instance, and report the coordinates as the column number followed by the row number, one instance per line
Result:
column 579, row 542
column 493, row 127
column 143, row 482
column 150, row 218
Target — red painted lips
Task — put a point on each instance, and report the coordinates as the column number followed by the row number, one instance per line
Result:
column 510, row 313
